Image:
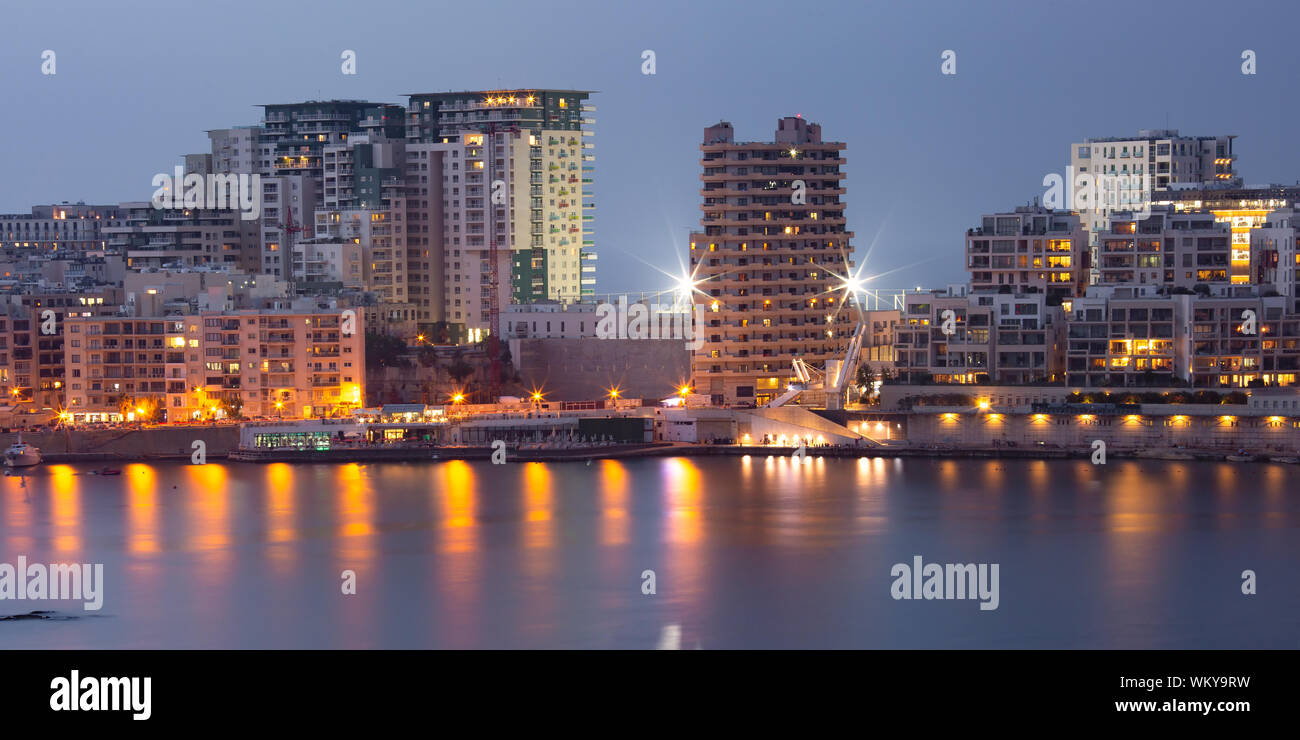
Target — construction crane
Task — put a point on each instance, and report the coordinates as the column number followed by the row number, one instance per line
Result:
column 289, row 229
column 833, row 379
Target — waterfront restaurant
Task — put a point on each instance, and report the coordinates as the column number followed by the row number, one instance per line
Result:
column 407, row 413
column 306, row 435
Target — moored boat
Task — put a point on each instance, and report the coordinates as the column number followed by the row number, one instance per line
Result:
column 22, row 455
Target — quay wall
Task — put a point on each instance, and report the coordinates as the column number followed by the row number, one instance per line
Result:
column 1211, row 429
column 129, row 444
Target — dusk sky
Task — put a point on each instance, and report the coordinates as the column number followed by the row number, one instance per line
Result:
column 138, row 83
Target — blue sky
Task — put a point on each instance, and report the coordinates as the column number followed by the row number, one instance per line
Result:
column 138, row 82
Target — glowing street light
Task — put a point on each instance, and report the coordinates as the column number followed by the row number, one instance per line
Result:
column 852, row 284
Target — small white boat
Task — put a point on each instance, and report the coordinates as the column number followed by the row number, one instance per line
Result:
column 1285, row 460
column 1241, row 458
column 22, row 455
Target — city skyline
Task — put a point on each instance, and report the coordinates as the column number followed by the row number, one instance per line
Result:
column 922, row 167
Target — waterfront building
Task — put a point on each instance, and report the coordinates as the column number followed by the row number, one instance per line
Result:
column 515, row 166
column 1029, row 248
column 1128, row 336
column 269, row 363
column 1241, row 208
column 1136, row 336
column 1275, row 255
column 1161, row 158
column 32, row 341
column 1172, row 249
column 771, row 261
column 988, row 337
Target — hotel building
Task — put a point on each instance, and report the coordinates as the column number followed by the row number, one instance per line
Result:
column 770, row 260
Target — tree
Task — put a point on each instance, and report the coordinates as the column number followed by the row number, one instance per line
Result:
column 233, row 407
column 428, row 356
column 865, row 376
column 441, row 332
column 141, row 408
column 459, row 369
column 384, row 350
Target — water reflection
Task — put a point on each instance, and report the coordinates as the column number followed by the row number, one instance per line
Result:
column 614, row 520
column 280, row 512
column 766, row 551
column 142, row 510
column 65, row 505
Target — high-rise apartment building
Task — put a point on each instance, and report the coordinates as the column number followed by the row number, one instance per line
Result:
column 1155, row 160
column 297, row 134
column 235, row 150
column 528, row 154
column 770, row 260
